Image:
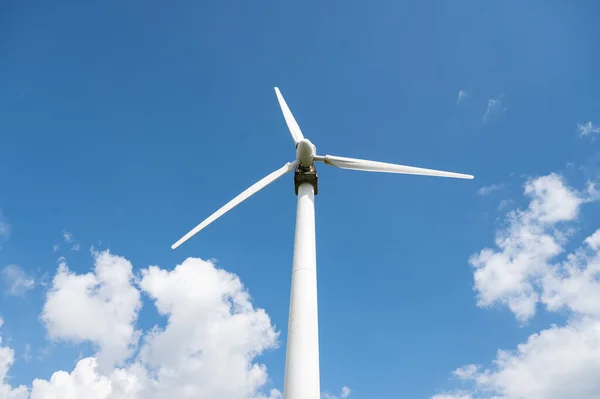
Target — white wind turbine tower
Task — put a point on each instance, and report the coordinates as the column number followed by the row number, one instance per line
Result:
column 302, row 379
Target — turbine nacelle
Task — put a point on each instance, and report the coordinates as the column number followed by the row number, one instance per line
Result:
column 305, row 153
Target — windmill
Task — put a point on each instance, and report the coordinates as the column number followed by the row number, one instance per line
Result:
column 302, row 380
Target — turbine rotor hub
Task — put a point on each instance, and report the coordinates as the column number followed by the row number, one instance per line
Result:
column 305, row 153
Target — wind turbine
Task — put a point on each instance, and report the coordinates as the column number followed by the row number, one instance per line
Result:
column 302, row 380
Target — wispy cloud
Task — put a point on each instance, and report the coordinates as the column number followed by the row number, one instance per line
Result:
column 16, row 281
column 69, row 239
column 44, row 279
column 43, row 353
column 494, row 108
column 67, row 236
column 487, row 190
column 4, row 227
column 343, row 395
column 461, row 96
column 588, row 129
column 27, row 354
column 504, row 203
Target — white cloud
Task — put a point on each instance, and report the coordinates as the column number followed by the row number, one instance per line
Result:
column 461, row 96
column 345, row 393
column 561, row 361
column 466, row 372
column 487, row 190
column 7, row 358
column 213, row 351
column 530, row 241
column 593, row 241
column 557, row 363
column 16, row 281
column 99, row 307
column 573, row 285
column 206, row 350
column 86, row 382
column 552, row 200
column 55, row 248
column 588, row 129
column 494, row 108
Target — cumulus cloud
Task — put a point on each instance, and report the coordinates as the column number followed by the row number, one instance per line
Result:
column 588, row 129
column 99, row 307
column 7, row 358
column 524, row 270
column 16, row 281
column 573, row 284
column 557, row 363
column 212, row 352
column 510, row 273
column 207, row 349
column 86, row 382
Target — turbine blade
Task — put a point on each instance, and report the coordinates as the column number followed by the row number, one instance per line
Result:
column 253, row 189
column 373, row 166
column 289, row 118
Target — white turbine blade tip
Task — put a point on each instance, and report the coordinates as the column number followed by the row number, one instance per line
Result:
column 190, row 234
column 290, row 121
column 253, row 189
column 375, row 166
column 176, row 245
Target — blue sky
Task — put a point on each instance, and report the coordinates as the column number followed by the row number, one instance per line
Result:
column 124, row 125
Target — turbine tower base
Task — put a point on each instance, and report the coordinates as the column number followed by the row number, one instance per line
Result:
column 306, row 175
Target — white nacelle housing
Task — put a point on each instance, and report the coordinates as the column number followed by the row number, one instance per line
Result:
column 305, row 152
